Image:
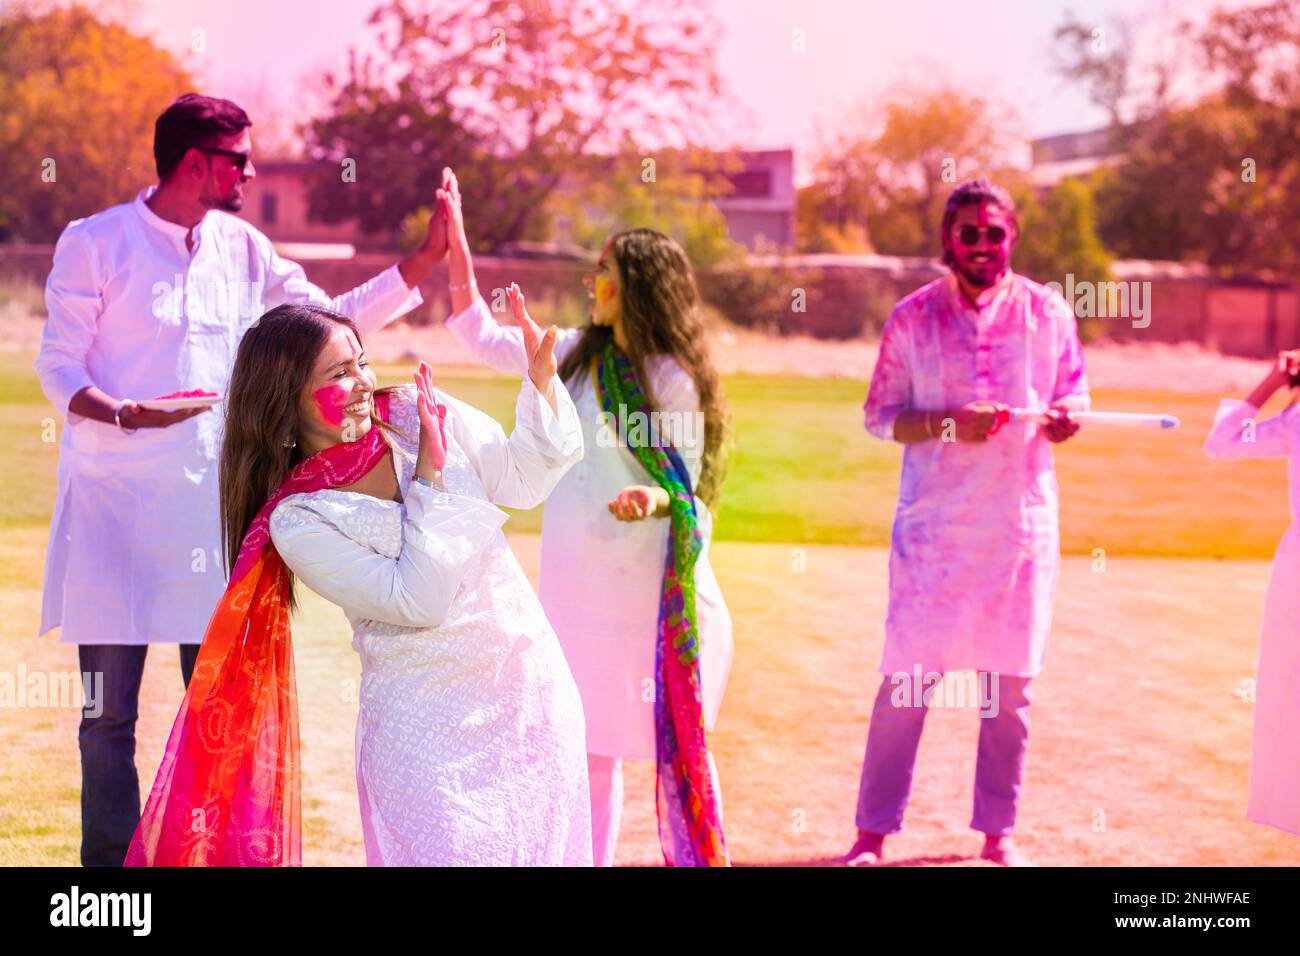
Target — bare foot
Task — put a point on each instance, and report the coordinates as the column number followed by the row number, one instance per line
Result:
column 867, row 851
column 1000, row 850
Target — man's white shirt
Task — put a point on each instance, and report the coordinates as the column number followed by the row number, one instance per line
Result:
column 134, row 553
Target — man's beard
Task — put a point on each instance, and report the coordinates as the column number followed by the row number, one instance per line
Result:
column 233, row 201
column 979, row 280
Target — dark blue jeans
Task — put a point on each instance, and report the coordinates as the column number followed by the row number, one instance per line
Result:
column 892, row 740
column 110, row 788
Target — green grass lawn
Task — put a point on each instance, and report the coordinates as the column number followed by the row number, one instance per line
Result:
column 804, row 470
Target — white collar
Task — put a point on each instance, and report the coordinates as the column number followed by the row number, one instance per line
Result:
column 174, row 230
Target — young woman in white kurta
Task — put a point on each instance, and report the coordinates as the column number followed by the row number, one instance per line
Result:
column 1275, row 744
column 469, row 742
column 601, row 576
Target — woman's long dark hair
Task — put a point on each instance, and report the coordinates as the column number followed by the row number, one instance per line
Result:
column 259, row 447
column 661, row 316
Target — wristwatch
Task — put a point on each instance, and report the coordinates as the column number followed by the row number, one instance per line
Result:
column 117, row 416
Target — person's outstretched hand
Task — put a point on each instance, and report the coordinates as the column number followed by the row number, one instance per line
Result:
column 136, row 415
column 433, row 427
column 539, row 347
column 449, row 209
column 638, row 502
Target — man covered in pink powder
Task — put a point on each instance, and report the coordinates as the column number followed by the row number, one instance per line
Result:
column 975, row 550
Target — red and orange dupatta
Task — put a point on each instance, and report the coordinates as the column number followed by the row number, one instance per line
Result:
column 229, row 788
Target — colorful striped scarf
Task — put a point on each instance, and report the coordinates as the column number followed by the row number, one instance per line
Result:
column 686, row 795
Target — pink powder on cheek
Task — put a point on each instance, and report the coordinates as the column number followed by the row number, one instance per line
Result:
column 330, row 401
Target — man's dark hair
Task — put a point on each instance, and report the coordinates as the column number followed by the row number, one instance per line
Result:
column 975, row 192
column 190, row 122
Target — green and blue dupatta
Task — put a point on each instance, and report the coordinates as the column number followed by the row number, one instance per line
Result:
column 686, row 796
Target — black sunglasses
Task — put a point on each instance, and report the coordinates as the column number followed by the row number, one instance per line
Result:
column 970, row 235
column 239, row 159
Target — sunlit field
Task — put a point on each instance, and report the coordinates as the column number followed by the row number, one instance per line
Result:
column 1141, row 732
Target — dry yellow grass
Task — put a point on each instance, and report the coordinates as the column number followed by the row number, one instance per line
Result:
column 1135, row 720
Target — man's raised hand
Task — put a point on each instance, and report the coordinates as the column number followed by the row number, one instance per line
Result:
column 449, row 207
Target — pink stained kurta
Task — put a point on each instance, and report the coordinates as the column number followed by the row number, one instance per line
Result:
column 1274, row 744
column 975, row 550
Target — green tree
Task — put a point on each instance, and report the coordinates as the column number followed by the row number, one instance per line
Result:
column 1100, row 59
column 80, row 96
column 675, row 196
column 520, row 95
column 825, row 219
column 883, row 176
column 1216, row 180
column 1059, row 235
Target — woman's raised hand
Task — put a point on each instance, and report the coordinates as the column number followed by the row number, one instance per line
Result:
column 449, row 207
column 539, row 347
column 433, row 428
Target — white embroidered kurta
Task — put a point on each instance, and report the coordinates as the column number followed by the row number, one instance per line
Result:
column 975, row 549
column 134, row 550
column 1275, row 742
column 601, row 578
column 470, row 747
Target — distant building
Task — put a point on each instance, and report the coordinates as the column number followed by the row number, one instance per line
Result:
column 276, row 203
column 760, row 210
column 1055, row 158
column 761, row 207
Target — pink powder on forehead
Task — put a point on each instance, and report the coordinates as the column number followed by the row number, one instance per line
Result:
column 330, row 401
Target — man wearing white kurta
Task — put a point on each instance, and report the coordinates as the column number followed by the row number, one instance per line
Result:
column 975, row 552
column 149, row 298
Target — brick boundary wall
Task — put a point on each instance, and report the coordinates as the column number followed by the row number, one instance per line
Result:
column 842, row 296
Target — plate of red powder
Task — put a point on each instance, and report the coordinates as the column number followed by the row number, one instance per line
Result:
column 193, row 398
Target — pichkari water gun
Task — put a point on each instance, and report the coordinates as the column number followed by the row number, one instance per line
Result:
column 1005, row 416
